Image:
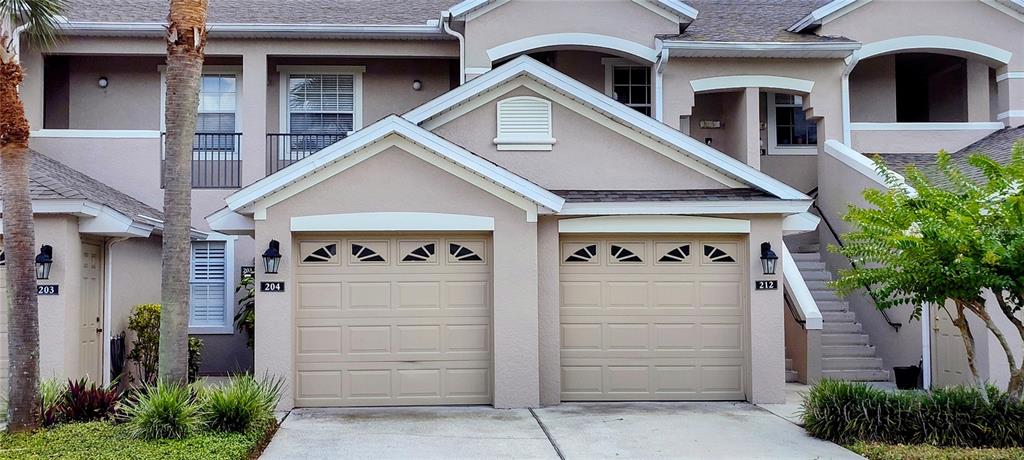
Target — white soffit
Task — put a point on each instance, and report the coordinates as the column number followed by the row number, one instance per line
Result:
column 392, row 222
column 800, row 223
column 653, row 224
column 466, row 7
column 658, row 131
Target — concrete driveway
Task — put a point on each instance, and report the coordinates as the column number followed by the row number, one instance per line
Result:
column 572, row 431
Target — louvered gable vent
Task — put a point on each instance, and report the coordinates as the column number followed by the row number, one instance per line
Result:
column 524, row 123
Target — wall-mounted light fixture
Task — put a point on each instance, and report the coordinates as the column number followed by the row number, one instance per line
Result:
column 417, row 85
column 768, row 258
column 44, row 261
column 272, row 258
column 103, row 82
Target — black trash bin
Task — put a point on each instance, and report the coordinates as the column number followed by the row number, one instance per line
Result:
column 906, row 376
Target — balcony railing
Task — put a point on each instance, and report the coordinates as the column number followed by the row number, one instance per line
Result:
column 216, row 162
column 285, row 149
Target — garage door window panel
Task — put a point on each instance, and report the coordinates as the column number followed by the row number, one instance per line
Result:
column 319, row 252
column 418, row 252
column 366, row 252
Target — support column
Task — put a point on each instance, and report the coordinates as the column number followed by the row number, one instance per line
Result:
column 253, row 106
column 750, row 124
column 32, row 86
column 767, row 362
column 1011, row 95
column 978, row 103
column 516, row 320
column 548, row 301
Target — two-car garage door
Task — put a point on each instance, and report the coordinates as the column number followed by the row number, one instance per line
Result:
column 393, row 320
column 652, row 318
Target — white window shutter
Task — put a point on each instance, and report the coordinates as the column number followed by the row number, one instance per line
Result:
column 524, row 123
column 208, row 300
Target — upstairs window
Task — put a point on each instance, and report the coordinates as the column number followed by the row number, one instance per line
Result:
column 524, row 123
column 789, row 130
column 631, row 85
column 321, row 103
column 217, row 104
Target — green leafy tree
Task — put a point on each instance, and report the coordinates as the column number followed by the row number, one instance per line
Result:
column 946, row 238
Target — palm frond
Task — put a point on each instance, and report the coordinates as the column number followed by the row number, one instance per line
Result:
column 43, row 17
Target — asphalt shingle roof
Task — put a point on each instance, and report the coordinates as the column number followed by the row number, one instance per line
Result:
column 344, row 12
column 601, row 196
column 751, row 21
column 50, row 179
column 997, row 146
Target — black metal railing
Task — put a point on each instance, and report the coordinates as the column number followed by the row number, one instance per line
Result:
column 284, row 149
column 839, row 241
column 216, row 160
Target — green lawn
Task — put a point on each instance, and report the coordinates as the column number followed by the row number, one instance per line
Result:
column 101, row 440
column 875, row 451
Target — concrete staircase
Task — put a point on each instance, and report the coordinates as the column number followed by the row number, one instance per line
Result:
column 846, row 350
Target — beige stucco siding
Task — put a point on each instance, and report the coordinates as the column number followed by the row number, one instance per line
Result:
column 516, row 20
column 396, row 181
column 585, row 156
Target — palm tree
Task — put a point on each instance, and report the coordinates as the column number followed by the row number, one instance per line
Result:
column 186, row 40
column 37, row 21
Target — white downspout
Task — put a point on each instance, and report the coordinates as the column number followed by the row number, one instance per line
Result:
column 16, row 41
column 659, row 87
column 926, row 345
column 851, row 62
column 108, row 300
column 446, row 18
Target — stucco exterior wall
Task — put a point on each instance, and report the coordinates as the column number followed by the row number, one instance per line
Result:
column 873, row 90
column 516, row 20
column 586, row 156
column 418, row 187
column 58, row 315
column 767, row 316
column 549, row 306
column 135, row 278
column 131, row 101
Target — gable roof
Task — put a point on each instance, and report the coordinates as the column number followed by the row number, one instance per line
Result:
column 751, row 21
column 678, row 7
column 692, row 148
column 393, row 124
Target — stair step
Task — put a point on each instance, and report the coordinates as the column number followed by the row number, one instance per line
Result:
column 817, row 275
column 839, row 327
column 807, row 265
column 792, row 376
column 833, row 305
column 847, row 351
column 844, row 339
column 837, row 316
column 808, row 256
column 857, row 375
column 851, row 364
column 818, row 284
column 827, row 296
column 813, row 247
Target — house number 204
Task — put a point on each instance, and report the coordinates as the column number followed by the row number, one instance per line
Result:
column 272, row 286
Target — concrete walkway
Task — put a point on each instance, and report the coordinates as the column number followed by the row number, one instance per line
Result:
column 571, row 430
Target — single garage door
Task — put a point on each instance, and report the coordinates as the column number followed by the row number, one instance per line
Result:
column 393, row 320
column 647, row 318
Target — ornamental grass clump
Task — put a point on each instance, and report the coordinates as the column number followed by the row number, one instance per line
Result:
column 847, row 412
column 243, row 404
column 164, row 411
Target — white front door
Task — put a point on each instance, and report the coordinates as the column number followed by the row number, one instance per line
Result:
column 91, row 314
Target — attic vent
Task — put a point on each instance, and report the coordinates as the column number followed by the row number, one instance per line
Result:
column 524, row 123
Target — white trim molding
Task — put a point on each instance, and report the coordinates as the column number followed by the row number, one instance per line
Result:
column 930, row 43
column 935, row 126
column 794, row 283
column 392, row 222
column 473, row 9
column 96, row 133
column 653, row 224
column 686, row 207
column 860, row 163
column 1009, row 114
column 229, row 222
column 826, row 13
column 800, row 223
column 571, row 93
column 752, row 81
column 785, row 50
column 1009, row 76
column 365, row 143
column 581, row 40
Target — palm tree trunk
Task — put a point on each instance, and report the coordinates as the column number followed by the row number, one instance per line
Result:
column 19, row 241
column 186, row 39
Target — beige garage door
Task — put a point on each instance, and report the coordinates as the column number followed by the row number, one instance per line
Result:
column 393, row 320
column 652, row 318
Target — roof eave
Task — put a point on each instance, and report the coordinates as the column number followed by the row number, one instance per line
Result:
column 686, row 48
column 431, row 30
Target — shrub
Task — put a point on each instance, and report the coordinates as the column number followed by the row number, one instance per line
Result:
column 83, row 401
column 243, row 404
column 245, row 319
column 846, row 412
column 164, row 411
column 51, row 393
column 145, row 323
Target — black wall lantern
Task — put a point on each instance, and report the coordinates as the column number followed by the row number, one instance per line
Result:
column 272, row 257
column 768, row 258
column 44, row 261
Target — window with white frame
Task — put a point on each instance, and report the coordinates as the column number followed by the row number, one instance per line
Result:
column 218, row 99
column 209, row 299
column 321, row 107
column 789, row 130
column 631, row 85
